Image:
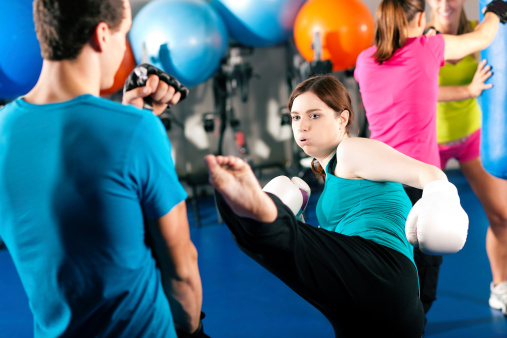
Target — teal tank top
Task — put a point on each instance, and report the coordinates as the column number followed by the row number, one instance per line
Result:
column 376, row 211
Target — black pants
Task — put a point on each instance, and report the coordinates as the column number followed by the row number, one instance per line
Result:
column 363, row 288
column 428, row 266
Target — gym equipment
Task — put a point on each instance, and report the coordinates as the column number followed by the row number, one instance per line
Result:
column 20, row 58
column 127, row 65
column 259, row 23
column 493, row 103
column 344, row 28
column 234, row 74
column 185, row 38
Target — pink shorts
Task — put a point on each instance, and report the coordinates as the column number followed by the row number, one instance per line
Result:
column 463, row 150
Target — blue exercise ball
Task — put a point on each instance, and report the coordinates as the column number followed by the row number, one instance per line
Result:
column 185, row 38
column 259, row 23
column 20, row 57
column 493, row 104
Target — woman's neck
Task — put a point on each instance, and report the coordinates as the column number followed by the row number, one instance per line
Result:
column 323, row 161
column 325, row 158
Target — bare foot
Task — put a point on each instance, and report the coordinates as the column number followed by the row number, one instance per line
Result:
column 235, row 181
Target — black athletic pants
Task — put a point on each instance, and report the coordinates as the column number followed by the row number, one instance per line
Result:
column 428, row 266
column 364, row 289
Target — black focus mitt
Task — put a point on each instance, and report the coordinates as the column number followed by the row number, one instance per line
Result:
column 498, row 7
column 139, row 76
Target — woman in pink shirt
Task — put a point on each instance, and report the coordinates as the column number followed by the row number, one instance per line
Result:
column 459, row 132
column 398, row 80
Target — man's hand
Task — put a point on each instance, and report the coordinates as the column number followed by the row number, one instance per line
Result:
column 151, row 88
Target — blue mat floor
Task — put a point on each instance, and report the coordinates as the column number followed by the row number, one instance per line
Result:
column 241, row 299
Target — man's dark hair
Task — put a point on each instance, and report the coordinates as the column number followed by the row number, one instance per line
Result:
column 64, row 26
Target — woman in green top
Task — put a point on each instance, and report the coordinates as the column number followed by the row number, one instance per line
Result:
column 358, row 267
column 458, row 132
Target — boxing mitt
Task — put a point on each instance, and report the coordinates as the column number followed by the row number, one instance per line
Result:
column 139, row 76
column 499, row 8
column 437, row 223
column 293, row 193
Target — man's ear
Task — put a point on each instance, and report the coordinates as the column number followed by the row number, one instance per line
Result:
column 100, row 37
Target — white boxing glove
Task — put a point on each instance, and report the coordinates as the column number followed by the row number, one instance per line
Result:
column 293, row 193
column 437, row 223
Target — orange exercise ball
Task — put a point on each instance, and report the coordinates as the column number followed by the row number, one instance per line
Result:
column 345, row 26
column 126, row 67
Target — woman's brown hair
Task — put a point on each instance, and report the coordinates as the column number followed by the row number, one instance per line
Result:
column 334, row 94
column 391, row 25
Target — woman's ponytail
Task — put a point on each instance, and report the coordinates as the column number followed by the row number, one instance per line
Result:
column 318, row 170
column 391, row 26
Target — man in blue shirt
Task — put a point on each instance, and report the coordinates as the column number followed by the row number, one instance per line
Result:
column 91, row 209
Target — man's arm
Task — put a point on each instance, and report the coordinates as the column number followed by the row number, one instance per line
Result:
column 176, row 256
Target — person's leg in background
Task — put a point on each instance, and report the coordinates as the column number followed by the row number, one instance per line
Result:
column 492, row 193
column 428, row 266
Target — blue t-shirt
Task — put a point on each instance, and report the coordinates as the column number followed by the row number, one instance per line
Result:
column 372, row 210
column 78, row 179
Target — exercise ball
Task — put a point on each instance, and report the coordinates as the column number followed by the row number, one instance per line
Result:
column 259, row 23
column 345, row 27
column 127, row 65
column 20, row 57
column 493, row 103
column 185, row 38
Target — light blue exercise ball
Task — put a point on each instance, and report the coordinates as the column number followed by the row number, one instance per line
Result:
column 20, row 57
column 185, row 38
column 259, row 23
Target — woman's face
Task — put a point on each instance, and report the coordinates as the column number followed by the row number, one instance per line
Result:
column 317, row 128
column 446, row 11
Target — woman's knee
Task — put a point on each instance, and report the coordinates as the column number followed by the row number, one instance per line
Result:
column 498, row 219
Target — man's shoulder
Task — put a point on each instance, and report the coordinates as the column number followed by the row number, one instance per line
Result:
column 102, row 110
column 103, row 103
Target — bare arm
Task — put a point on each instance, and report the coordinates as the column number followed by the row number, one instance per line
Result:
column 453, row 93
column 474, row 89
column 373, row 160
column 176, row 256
column 459, row 46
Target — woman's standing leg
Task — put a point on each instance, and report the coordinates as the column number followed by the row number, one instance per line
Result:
column 492, row 193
